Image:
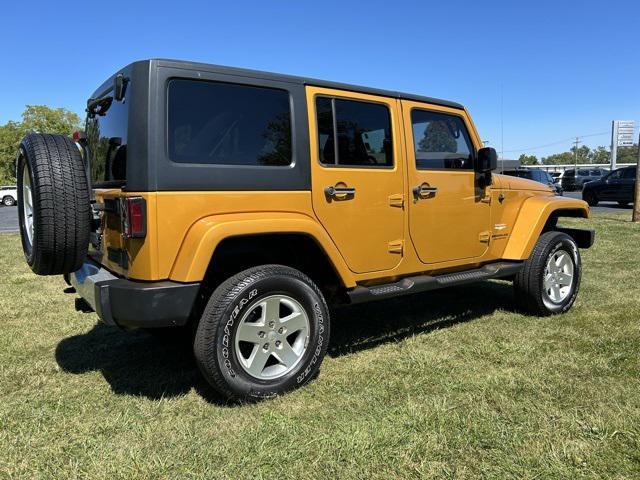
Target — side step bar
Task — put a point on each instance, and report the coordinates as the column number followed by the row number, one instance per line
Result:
column 423, row 283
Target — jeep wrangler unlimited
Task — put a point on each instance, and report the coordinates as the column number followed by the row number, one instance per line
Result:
column 238, row 203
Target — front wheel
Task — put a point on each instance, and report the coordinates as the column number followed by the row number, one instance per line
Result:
column 590, row 197
column 264, row 331
column 549, row 281
column 8, row 201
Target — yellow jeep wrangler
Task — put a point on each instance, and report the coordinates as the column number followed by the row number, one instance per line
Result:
column 241, row 203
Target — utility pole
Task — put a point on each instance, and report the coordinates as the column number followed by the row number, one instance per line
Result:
column 614, row 144
column 636, row 203
column 576, row 155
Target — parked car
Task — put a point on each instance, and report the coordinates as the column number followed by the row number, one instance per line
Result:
column 238, row 204
column 8, row 195
column 537, row 176
column 617, row 186
column 570, row 181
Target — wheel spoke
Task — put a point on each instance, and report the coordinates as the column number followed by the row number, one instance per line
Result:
column 248, row 332
column 257, row 360
column 286, row 355
column 271, row 309
column 563, row 262
column 294, row 322
column 555, row 293
column 548, row 282
column 565, row 279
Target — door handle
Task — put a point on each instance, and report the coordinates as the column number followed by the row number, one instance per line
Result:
column 425, row 191
column 338, row 192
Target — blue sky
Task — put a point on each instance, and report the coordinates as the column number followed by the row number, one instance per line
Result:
column 564, row 68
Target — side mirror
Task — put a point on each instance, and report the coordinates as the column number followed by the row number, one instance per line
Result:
column 119, row 87
column 486, row 160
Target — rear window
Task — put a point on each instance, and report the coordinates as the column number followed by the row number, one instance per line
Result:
column 569, row 173
column 106, row 132
column 228, row 124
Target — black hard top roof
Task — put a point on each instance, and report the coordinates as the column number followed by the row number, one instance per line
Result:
column 298, row 80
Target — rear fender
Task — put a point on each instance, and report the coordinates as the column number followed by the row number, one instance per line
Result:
column 206, row 234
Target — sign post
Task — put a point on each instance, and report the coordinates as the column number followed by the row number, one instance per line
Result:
column 636, row 201
column 621, row 136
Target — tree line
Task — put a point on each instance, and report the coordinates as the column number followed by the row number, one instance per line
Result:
column 585, row 155
column 35, row 118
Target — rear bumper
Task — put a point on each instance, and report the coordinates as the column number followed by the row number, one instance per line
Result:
column 128, row 303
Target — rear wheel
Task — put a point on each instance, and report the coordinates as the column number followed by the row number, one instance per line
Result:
column 265, row 331
column 54, row 211
column 549, row 282
column 8, row 201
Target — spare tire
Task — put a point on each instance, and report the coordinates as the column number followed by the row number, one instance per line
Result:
column 54, row 204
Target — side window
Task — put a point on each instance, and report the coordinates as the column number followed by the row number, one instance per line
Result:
column 440, row 141
column 228, row 124
column 629, row 173
column 353, row 133
column 596, row 173
column 616, row 175
column 583, row 172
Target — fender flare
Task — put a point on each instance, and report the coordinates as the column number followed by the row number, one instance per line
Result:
column 533, row 216
column 204, row 236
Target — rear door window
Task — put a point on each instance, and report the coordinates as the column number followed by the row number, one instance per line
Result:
column 354, row 133
column 441, row 141
column 629, row 173
column 228, row 124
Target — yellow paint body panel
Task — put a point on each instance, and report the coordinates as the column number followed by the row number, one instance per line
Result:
column 378, row 236
column 531, row 219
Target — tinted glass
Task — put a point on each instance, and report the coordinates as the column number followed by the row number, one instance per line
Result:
column 569, row 173
column 228, row 124
column 106, row 134
column 362, row 133
column 583, row 173
column 629, row 173
column 615, row 175
column 440, row 141
column 596, row 173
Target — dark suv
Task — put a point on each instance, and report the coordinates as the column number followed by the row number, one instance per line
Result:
column 537, row 176
column 618, row 186
column 572, row 181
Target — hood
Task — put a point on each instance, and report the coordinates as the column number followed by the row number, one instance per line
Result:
column 515, row 183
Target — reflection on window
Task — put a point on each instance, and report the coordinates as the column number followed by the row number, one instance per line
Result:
column 362, row 133
column 228, row 124
column 440, row 141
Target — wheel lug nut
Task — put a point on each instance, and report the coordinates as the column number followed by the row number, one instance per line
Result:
column 281, row 330
column 266, row 346
column 261, row 334
column 272, row 324
column 278, row 344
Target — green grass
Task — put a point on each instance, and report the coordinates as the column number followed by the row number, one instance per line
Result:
column 450, row 384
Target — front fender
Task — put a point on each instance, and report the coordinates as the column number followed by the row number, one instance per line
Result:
column 533, row 216
column 206, row 234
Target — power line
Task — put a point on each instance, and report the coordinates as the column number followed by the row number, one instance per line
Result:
column 557, row 143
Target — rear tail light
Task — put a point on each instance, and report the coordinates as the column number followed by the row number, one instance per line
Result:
column 133, row 211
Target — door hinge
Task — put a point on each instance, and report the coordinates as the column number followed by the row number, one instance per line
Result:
column 484, row 236
column 396, row 246
column 396, row 200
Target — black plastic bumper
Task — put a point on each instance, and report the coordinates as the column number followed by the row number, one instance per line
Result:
column 128, row 303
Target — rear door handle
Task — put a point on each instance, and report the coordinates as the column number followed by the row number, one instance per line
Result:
column 333, row 191
column 425, row 191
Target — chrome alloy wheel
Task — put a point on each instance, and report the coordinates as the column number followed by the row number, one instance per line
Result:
column 27, row 204
column 558, row 276
column 272, row 337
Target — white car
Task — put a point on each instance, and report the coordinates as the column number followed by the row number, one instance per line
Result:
column 8, row 196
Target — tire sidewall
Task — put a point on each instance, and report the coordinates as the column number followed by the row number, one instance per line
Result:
column 566, row 244
column 237, row 379
column 27, row 247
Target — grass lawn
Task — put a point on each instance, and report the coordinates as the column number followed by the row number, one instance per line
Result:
column 448, row 384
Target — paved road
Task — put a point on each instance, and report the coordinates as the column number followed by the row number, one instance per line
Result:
column 8, row 219
column 602, row 206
